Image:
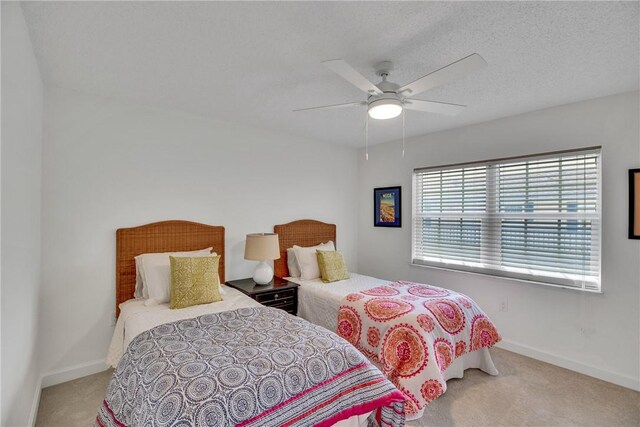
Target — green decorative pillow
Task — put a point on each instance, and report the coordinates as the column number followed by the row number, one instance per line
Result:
column 194, row 280
column 332, row 266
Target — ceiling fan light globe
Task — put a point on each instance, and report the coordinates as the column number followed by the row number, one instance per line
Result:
column 383, row 109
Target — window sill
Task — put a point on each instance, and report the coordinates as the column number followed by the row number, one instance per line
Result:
column 510, row 279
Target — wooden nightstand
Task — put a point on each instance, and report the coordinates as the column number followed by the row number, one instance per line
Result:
column 278, row 294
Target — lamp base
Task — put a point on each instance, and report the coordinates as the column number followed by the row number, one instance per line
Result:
column 263, row 274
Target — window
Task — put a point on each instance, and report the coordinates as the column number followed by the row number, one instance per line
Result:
column 534, row 218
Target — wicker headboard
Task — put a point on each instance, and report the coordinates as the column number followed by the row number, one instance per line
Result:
column 165, row 236
column 305, row 232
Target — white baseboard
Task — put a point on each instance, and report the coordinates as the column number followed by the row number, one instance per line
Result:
column 33, row 415
column 624, row 381
column 73, row 372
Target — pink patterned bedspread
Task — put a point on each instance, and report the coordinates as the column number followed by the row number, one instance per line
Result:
column 414, row 332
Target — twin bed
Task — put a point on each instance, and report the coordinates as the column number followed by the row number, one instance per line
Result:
column 234, row 362
column 440, row 333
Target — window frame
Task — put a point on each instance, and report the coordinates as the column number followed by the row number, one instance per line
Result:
column 492, row 214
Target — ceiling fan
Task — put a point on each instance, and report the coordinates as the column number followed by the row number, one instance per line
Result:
column 387, row 100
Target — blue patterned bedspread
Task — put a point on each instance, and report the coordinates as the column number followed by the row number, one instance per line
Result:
column 254, row 366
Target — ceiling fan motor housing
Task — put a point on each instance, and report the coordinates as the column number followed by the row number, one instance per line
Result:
column 388, row 87
column 384, row 97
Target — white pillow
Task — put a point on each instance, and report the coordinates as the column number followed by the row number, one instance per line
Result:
column 140, row 291
column 151, row 302
column 308, row 260
column 292, row 263
column 155, row 273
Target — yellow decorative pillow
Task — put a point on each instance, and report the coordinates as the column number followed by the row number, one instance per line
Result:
column 194, row 280
column 332, row 267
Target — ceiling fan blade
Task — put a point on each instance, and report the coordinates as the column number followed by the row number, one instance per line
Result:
column 347, row 72
column 444, row 75
column 433, row 107
column 350, row 104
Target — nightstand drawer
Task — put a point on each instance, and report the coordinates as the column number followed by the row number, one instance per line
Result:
column 271, row 298
column 287, row 306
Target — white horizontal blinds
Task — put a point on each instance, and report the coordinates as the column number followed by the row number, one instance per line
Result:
column 535, row 218
column 549, row 216
column 449, row 207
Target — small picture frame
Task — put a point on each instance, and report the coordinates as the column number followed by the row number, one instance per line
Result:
column 634, row 203
column 387, row 207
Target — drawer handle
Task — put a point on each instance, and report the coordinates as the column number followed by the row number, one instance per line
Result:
column 276, row 296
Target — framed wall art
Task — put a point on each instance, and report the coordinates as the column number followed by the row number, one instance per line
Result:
column 387, row 207
column 634, row 203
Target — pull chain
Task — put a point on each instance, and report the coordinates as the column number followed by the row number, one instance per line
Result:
column 403, row 144
column 366, row 138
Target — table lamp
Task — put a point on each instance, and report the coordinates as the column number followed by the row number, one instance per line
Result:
column 262, row 247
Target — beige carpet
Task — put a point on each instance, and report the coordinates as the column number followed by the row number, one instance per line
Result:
column 526, row 392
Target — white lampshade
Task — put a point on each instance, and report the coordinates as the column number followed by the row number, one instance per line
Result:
column 262, row 247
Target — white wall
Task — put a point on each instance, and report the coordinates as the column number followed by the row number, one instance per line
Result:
column 597, row 334
column 21, row 200
column 108, row 164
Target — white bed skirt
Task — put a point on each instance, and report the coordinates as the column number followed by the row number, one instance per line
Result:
column 479, row 359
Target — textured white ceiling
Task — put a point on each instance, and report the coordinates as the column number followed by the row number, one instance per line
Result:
column 255, row 62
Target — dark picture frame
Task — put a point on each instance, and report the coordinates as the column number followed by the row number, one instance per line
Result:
column 387, row 207
column 634, row 203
